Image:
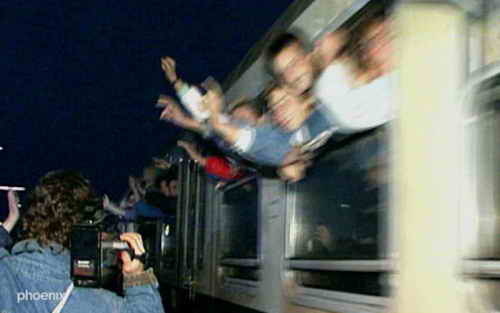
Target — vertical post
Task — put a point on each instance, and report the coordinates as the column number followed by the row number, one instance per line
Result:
column 179, row 231
column 431, row 51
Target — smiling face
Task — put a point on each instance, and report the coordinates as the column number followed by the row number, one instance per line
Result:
column 288, row 110
column 295, row 67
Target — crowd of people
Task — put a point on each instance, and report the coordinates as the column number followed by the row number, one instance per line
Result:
column 338, row 86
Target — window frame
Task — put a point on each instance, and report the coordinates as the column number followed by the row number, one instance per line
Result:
column 232, row 285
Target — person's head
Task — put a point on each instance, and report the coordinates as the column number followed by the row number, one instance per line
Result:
column 130, row 199
column 55, row 205
column 376, row 41
column 167, row 184
column 331, row 46
column 289, row 60
column 149, row 175
column 173, row 187
column 247, row 110
column 288, row 110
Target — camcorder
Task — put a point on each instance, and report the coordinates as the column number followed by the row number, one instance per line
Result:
column 96, row 248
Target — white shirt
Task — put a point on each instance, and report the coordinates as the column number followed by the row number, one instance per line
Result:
column 192, row 99
column 355, row 109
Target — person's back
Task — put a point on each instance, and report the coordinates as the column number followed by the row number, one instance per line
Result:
column 36, row 273
column 34, row 279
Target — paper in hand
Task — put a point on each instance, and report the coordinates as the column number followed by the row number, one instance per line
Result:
column 211, row 84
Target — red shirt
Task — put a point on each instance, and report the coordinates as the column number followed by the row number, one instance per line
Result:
column 222, row 168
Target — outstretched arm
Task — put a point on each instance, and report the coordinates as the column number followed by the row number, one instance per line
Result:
column 193, row 152
column 214, row 102
column 173, row 113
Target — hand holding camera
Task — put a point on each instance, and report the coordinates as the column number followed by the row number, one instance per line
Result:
column 132, row 266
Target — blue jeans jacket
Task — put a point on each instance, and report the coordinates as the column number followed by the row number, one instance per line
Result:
column 33, row 279
column 4, row 237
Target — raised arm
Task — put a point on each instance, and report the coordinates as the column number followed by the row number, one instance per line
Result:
column 189, row 95
column 134, row 186
column 169, row 67
column 13, row 217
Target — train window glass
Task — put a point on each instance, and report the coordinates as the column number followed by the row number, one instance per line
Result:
column 365, row 283
column 168, row 244
column 339, row 204
column 240, row 221
column 242, row 273
column 485, row 145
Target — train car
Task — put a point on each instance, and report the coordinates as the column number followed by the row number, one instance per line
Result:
column 401, row 218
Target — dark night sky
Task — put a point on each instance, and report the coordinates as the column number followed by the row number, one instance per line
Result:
column 79, row 78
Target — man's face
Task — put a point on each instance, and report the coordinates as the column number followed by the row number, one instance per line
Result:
column 169, row 189
column 245, row 114
column 173, row 188
column 288, row 111
column 296, row 68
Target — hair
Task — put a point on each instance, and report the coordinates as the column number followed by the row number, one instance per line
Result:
column 169, row 176
column 55, row 205
column 254, row 104
column 279, row 42
column 357, row 30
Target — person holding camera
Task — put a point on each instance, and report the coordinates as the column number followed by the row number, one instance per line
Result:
column 36, row 274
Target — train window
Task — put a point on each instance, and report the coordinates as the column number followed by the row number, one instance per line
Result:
column 365, row 283
column 242, row 273
column 336, row 210
column 240, row 206
column 337, row 226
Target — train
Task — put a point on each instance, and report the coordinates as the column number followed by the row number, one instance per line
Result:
column 401, row 218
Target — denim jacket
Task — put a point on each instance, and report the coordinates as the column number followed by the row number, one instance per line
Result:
column 4, row 237
column 33, row 279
